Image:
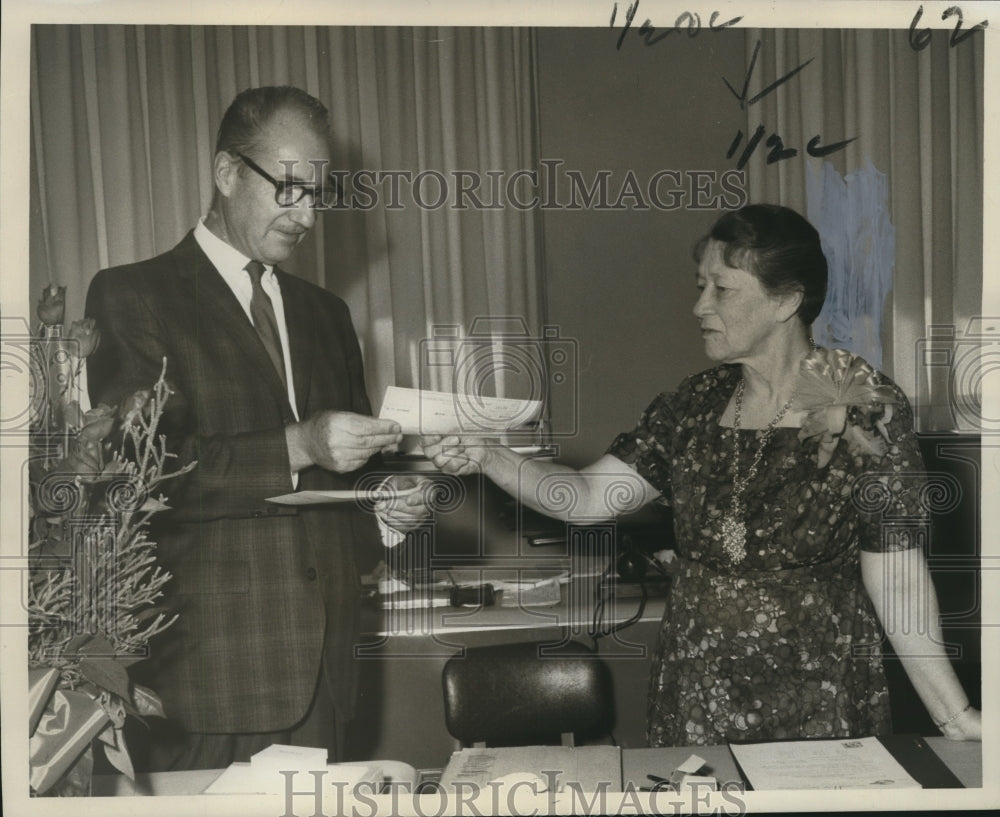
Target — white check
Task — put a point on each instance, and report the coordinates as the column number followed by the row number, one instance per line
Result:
column 437, row 412
column 356, row 495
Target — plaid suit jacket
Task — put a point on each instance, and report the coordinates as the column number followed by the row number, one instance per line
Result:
column 263, row 592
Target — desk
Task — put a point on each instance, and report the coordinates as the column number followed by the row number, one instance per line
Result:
column 400, row 710
column 964, row 760
column 172, row 784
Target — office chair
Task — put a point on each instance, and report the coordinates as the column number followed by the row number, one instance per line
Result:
column 527, row 694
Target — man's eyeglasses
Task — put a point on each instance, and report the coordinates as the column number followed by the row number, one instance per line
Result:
column 290, row 192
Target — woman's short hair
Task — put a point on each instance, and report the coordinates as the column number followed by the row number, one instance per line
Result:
column 778, row 246
column 249, row 113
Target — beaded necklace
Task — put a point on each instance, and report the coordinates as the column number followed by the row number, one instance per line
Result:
column 734, row 528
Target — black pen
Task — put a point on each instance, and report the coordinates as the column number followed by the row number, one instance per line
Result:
column 659, row 784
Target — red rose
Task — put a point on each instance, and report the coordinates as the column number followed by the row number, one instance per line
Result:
column 52, row 307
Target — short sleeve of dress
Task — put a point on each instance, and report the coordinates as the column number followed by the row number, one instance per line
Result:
column 889, row 491
column 647, row 447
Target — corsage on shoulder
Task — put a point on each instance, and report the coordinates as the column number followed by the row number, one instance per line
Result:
column 843, row 398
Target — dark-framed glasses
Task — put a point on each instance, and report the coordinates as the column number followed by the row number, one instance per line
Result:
column 290, row 192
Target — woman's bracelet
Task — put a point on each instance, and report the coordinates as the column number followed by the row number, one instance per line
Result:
column 954, row 717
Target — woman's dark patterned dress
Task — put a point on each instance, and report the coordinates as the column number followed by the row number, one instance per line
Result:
column 786, row 644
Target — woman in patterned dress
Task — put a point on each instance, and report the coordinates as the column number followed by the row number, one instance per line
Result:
column 794, row 477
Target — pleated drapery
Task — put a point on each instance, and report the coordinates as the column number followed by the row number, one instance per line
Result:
column 123, row 128
column 908, row 191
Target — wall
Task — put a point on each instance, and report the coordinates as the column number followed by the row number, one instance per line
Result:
column 621, row 283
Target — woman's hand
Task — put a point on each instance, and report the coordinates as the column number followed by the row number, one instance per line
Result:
column 403, row 513
column 453, row 455
column 967, row 726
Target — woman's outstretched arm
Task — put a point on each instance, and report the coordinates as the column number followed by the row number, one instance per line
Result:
column 603, row 490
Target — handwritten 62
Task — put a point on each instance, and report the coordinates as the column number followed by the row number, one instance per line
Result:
column 919, row 40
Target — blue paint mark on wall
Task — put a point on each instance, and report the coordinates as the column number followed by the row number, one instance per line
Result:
column 859, row 241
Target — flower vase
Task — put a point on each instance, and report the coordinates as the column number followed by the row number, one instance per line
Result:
column 59, row 382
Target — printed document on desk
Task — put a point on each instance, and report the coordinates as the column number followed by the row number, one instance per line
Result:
column 842, row 763
column 588, row 766
column 435, row 412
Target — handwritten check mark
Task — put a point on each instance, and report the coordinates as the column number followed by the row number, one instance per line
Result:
column 742, row 95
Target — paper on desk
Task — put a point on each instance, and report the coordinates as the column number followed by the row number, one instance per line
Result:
column 279, row 756
column 323, row 497
column 437, row 412
column 845, row 763
column 539, row 594
column 243, row 778
column 592, row 767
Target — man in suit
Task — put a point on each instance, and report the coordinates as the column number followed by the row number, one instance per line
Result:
column 269, row 397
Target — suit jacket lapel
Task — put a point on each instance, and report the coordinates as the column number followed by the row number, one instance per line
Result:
column 220, row 310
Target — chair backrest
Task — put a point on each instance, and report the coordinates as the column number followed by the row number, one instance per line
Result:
column 529, row 693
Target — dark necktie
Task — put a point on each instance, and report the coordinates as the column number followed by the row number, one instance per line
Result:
column 264, row 320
